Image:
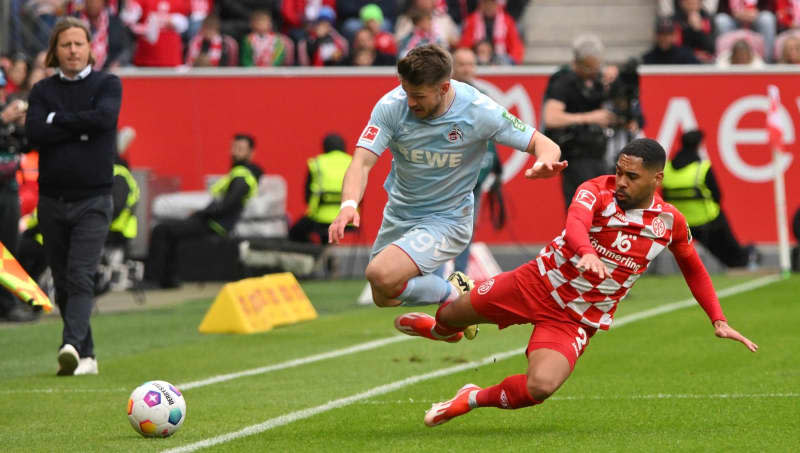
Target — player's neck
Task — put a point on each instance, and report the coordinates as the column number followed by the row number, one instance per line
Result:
column 446, row 103
column 645, row 204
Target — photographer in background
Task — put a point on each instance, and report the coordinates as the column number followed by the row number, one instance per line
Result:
column 12, row 143
column 578, row 113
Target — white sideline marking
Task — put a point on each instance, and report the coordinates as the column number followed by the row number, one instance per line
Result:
column 383, row 389
column 296, row 362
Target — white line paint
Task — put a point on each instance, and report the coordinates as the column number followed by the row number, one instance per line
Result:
column 383, row 389
column 296, row 362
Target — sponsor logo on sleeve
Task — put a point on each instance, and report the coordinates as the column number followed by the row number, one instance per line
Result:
column 370, row 134
column 516, row 122
column 586, row 198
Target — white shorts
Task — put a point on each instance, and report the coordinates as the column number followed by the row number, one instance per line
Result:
column 429, row 242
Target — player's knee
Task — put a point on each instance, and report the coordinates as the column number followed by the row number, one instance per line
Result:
column 380, row 279
column 541, row 386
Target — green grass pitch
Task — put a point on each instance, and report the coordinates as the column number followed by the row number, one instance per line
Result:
column 663, row 383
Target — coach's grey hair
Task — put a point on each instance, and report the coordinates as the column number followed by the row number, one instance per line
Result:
column 587, row 46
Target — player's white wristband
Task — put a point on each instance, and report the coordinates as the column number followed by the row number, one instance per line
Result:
column 351, row 203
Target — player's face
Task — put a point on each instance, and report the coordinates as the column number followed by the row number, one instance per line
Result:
column 72, row 50
column 636, row 184
column 425, row 100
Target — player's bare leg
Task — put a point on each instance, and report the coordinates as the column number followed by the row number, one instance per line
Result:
column 388, row 273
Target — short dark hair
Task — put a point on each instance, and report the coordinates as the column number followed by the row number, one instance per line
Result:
column 426, row 65
column 652, row 153
column 248, row 138
column 333, row 142
column 65, row 23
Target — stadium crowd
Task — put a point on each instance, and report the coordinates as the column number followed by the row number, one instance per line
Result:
column 211, row 33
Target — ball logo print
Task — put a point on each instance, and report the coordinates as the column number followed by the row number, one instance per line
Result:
column 156, row 409
column 485, row 287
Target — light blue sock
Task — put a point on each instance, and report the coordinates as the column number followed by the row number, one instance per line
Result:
column 425, row 290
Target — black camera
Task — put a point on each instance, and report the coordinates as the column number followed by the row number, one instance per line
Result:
column 623, row 94
column 12, row 143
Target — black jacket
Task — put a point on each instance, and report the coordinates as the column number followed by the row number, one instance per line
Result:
column 77, row 150
column 227, row 210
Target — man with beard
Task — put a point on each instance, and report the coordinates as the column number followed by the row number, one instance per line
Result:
column 437, row 130
column 218, row 218
column 616, row 225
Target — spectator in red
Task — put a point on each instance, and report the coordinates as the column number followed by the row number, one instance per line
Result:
column 788, row 14
column 111, row 46
column 364, row 51
column 17, row 74
column 297, row 13
column 443, row 27
column 210, row 47
column 263, row 47
column 756, row 15
column 323, row 45
column 158, row 25
column 491, row 22
column 372, row 18
column 422, row 34
column 696, row 28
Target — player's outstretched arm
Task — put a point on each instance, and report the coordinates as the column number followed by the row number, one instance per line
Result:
column 723, row 330
column 353, row 186
column 547, row 155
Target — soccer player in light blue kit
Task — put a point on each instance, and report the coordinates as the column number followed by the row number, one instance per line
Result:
column 437, row 130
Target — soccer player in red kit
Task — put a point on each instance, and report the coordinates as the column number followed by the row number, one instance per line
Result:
column 615, row 226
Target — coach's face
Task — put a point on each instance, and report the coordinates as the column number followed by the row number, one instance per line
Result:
column 425, row 100
column 636, row 183
column 72, row 51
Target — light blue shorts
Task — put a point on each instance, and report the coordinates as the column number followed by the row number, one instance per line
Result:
column 429, row 242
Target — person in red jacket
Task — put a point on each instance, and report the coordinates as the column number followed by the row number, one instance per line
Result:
column 491, row 22
column 616, row 225
column 158, row 25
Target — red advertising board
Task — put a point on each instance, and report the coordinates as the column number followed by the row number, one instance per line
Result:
column 184, row 125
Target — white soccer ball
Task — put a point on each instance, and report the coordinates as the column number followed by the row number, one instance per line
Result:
column 156, row 409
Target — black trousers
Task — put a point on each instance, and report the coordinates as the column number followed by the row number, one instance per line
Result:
column 307, row 230
column 9, row 235
column 580, row 170
column 162, row 259
column 718, row 238
column 74, row 233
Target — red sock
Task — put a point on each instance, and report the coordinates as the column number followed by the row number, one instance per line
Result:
column 441, row 328
column 512, row 393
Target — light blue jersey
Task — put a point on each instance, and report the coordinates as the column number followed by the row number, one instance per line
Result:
column 436, row 161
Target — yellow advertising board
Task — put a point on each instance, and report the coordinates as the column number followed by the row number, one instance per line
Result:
column 258, row 304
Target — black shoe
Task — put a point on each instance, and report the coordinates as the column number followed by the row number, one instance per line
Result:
column 20, row 313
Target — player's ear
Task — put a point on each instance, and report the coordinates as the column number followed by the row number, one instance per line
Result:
column 659, row 177
column 445, row 87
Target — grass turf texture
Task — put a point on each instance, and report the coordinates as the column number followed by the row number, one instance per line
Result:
column 664, row 383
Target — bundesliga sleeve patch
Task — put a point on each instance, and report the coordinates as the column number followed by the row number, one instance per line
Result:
column 370, row 134
column 586, row 198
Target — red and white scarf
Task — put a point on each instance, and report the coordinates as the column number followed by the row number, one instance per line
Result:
column 499, row 31
column 99, row 37
column 214, row 50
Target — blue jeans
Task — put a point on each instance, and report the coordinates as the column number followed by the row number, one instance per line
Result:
column 765, row 24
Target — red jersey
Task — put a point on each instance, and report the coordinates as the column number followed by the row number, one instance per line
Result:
column 158, row 25
column 626, row 242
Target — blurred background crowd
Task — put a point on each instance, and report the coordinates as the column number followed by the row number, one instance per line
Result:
column 214, row 33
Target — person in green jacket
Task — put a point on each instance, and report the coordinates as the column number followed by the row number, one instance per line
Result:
column 323, row 191
column 689, row 185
